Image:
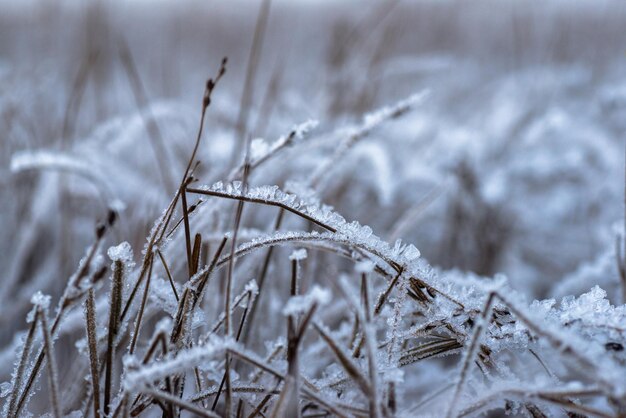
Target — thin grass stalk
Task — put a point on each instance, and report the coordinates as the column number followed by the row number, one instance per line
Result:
column 139, row 92
column 383, row 297
column 52, row 364
column 346, row 362
column 158, row 339
column 356, row 352
column 239, row 331
column 169, row 275
column 66, row 302
column 305, row 389
column 263, row 202
column 268, row 102
column 195, row 254
column 183, row 199
column 205, row 277
column 92, row 343
column 142, row 308
column 229, row 281
column 114, row 321
column 429, row 350
column 620, row 250
column 233, row 247
column 166, row 218
column 281, row 409
column 181, row 316
column 374, row 402
column 236, row 302
column 72, row 107
column 247, row 94
column 291, row 389
column 262, row 276
column 260, row 406
column 168, row 381
column 19, row 374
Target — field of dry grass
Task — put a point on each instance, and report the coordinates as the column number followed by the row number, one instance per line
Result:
column 302, row 209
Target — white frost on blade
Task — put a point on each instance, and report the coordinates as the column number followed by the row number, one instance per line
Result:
column 296, row 134
column 298, row 255
column 305, row 128
column 40, row 300
column 261, row 151
column 302, row 303
column 138, row 378
column 252, row 287
column 371, row 120
column 45, row 159
column 351, row 232
column 66, row 162
column 562, row 333
column 122, row 252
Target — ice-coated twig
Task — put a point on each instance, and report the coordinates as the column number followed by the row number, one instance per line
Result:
column 16, row 383
column 79, row 283
column 92, row 343
column 42, row 302
column 262, row 152
column 119, row 255
column 370, row 122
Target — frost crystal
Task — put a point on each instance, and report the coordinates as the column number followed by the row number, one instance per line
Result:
column 252, row 287
column 298, row 255
column 122, row 252
column 40, row 300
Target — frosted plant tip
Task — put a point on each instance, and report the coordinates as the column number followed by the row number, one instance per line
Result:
column 252, row 287
column 121, row 252
column 298, row 255
column 40, row 300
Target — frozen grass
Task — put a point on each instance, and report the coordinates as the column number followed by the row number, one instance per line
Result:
column 220, row 281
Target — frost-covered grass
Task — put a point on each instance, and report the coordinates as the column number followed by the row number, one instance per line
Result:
column 356, row 226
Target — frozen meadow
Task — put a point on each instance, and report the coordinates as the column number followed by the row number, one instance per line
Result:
column 280, row 208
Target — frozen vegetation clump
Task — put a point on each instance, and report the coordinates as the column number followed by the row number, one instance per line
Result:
column 358, row 230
